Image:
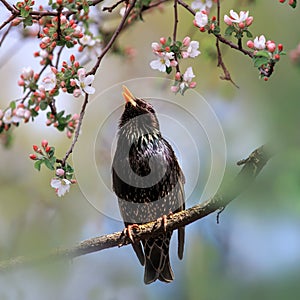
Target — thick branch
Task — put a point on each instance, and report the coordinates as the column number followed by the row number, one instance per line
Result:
column 251, row 168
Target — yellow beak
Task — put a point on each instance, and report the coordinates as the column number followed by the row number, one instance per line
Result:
column 128, row 96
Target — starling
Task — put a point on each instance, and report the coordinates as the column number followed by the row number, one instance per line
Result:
column 148, row 182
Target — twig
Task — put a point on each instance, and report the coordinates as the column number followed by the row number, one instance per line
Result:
column 113, row 38
column 111, row 8
column 252, row 167
column 5, row 34
column 82, row 112
column 175, row 30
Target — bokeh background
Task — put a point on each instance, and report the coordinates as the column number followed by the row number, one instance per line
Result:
column 255, row 250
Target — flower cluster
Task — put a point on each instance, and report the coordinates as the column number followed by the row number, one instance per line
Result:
column 183, row 82
column 61, row 32
column 44, row 155
column 13, row 115
column 266, row 54
column 169, row 53
column 202, row 21
column 71, row 78
column 238, row 23
column 93, row 46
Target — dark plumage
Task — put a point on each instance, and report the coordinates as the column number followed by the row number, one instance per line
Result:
column 148, row 182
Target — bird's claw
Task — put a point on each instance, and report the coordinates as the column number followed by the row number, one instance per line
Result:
column 127, row 231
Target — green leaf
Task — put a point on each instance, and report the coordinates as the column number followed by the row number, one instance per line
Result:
column 229, row 30
column 24, row 12
column 37, row 164
column 262, row 53
column 249, row 34
column 43, row 105
column 259, row 61
column 12, row 105
column 168, row 42
column 60, row 114
column 27, row 21
column 169, row 70
column 49, row 164
column 61, row 127
column 86, row 8
column 216, row 30
column 51, row 152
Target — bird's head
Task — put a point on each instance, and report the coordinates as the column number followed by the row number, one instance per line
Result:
column 138, row 114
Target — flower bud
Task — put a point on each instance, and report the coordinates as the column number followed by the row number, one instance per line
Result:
column 60, row 172
column 33, row 156
column 162, row 40
column 186, row 41
column 249, row 21
column 44, row 143
column 250, row 44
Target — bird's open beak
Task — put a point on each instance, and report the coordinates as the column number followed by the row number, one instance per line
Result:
column 128, row 96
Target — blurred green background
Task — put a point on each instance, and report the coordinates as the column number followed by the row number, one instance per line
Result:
column 255, row 250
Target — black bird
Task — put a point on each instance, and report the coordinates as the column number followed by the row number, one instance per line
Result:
column 148, row 182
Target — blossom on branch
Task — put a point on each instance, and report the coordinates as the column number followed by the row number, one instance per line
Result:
column 201, row 19
column 84, row 82
column 163, row 61
column 61, row 186
column 49, row 81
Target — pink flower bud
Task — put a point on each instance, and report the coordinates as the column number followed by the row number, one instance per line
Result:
column 250, row 44
column 173, row 63
column 249, row 21
column 280, row 47
column 193, row 84
column 21, row 82
column 162, row 40
column 16, row 22
column 76, row 117
column 242, row 25
column 54, row 70
column 60, row 172
column 69, row 134
column 46, row 40
column 33, row 156
column 44, row 143
column 72, row 82
column 186, row 41
column 35, row 148
column 277, row 56
column 174, row 88
column 271, row 47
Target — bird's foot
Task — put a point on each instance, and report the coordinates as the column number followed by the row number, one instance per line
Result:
column 128, row 231
column 164, row 220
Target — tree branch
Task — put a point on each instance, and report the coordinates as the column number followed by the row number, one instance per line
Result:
column 251, row 168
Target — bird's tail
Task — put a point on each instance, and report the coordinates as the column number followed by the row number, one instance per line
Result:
column 157, row 259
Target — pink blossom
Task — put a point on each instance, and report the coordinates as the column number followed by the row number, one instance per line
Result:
column 201, row 18
column 260, row 42
column 61, row 186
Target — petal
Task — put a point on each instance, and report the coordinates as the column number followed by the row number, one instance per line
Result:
column 234, row 15
column 89, row 79
column 89, row 89
column 55, row 183
column 155, row 64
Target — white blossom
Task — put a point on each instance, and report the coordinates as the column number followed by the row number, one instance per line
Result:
column 61, row 186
